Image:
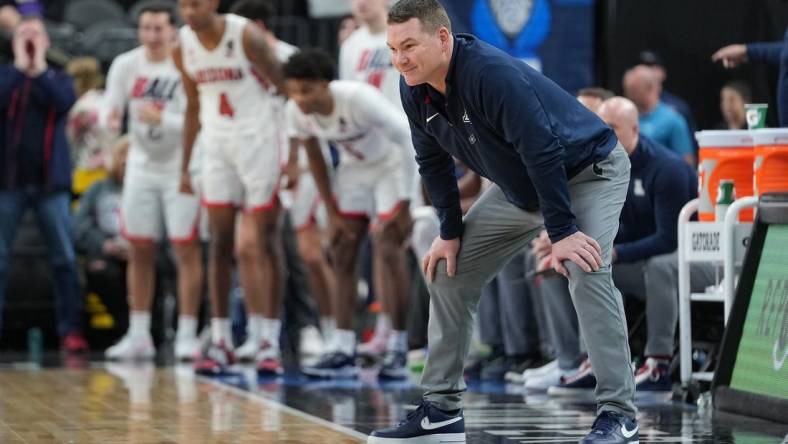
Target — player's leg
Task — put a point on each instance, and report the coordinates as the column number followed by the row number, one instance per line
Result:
column 221, row 193
column 354, row 201
column 389, row 236
column 261, row 268
column 309, row 233
column 259, row 250
column 140, row 218
column 182, row 217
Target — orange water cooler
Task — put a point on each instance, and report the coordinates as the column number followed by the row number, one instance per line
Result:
column 724, row 155
column 771, row 160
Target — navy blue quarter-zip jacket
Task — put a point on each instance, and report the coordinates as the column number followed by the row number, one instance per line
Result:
column 660, row 184
column 508, row 123
column 775, row 53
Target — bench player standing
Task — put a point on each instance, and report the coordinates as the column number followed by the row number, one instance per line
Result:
column 146, row 80
column 227, row 68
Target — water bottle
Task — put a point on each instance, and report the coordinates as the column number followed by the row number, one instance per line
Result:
column 35, row 344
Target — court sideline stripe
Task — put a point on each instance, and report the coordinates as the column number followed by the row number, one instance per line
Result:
column 287, row 409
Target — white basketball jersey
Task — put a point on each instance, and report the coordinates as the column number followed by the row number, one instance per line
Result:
column 362, row 126
column 133, row 80
column 233, row 95
column 366, row 57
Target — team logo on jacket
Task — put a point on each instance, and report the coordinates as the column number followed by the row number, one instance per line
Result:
column 511, row 15
column 465, row 117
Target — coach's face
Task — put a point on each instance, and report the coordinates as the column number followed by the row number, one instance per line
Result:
column 197, row 13
column 417, row 53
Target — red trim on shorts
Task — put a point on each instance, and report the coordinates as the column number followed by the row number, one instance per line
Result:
column 125, row 234
column 205, row 203
column 388, row 215
column 271, row 204
column 311, row 216
column 191, row 236
column 354, row 215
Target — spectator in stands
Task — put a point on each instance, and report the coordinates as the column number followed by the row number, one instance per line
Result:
column 9, row 16
column 593, row 97
column 88, row 139
column 36, row 167
column 654, row 61
column 733, row 96
column 645, row 263
column 658, row 121
column 773, row 53
column 97, row 232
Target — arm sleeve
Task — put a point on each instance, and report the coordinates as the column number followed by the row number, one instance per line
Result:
column 765, row 52
column 55, row 89
column 114, row 97
column 436, row 168
column 669, row 188
column 89, row 239
column 511, row 105
column 680, row 140
column 372, row 108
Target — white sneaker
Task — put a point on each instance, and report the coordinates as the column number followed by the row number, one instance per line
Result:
column 545, row 380
column 311, row 343
column 132, row 348
column 186, row 349
column 547, row 368
column 248, row 351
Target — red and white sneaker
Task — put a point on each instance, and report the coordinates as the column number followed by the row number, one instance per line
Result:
column 215, row 359
column 269, row 362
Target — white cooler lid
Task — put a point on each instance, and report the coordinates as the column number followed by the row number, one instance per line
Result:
column 770, row 136
column 724, row 138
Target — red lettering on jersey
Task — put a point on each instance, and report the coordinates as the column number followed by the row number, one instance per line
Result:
column 211, row 75
column 225, row 109
column 363, row 61
column 375, row 78
column 140, row 86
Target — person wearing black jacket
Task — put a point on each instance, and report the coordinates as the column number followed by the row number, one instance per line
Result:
column 35, row 166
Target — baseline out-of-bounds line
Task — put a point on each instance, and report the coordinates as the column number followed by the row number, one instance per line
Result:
column 285, row 408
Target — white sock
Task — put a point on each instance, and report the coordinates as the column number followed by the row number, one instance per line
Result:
column 255, row 328
column 220, row 331
column 345, row 341
column 383, row 323
column 139, row 323
column 271, row 330
column 187, row 327
column 327, row 326
column 398, row 341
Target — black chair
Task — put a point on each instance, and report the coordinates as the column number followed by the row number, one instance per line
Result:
column 134, row 10
column 107, row 40
column 84, row 13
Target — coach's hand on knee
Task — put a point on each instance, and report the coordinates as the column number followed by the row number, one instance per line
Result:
column 441, row 249
column 583, row 250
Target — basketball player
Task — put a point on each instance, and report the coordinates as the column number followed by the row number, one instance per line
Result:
column 306, row 200
column 228, row 71
column 371, row 182
column 145, row 79
column 364, row 57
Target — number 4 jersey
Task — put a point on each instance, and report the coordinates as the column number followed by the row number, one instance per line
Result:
column 233, row 96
